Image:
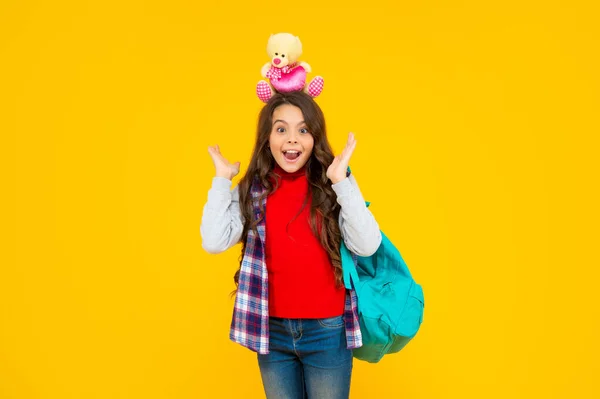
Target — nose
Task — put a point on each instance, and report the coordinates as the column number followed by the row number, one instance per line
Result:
column 292, row 137
column 277, row 61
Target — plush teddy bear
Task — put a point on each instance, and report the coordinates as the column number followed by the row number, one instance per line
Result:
column 284, row 71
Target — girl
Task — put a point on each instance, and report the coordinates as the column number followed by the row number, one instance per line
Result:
column 291, row 210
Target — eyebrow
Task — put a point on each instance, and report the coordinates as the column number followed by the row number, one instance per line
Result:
column 282, row 121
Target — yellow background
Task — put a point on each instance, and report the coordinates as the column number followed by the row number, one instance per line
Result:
column 477, row 127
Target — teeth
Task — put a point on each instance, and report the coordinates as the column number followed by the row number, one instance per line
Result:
column 292, row 151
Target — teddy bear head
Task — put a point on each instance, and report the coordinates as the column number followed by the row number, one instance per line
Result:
column 284, row 49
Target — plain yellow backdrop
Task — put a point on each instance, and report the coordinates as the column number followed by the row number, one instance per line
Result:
column 477, row 126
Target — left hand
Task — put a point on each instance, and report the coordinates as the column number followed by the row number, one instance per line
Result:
column 336, row 172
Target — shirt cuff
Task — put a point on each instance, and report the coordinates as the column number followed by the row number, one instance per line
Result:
column 221, row 183
column 343, row 187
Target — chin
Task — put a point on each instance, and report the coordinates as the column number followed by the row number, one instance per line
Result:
column 291, row 167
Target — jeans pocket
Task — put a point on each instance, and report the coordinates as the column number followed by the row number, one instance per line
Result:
column 332, row 322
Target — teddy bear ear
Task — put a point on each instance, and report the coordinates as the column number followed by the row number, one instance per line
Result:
column 270, row 43
column 299, row 44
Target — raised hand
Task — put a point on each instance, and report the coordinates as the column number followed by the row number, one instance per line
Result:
column 336, row 172
column 223, row 167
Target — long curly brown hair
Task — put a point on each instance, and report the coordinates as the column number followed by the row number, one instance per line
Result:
column 324, row 209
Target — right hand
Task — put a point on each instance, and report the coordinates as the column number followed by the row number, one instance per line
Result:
column 222, row 166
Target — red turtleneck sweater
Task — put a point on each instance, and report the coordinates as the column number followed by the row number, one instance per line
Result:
column 301, row 278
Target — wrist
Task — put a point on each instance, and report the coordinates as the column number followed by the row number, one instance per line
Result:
column 224, row 175
column 336, row 180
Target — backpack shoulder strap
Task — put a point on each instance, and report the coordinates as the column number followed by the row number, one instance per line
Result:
column 349, row 261
column 348, row 267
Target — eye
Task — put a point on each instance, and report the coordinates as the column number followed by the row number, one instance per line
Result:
column 276, row 53
column 304, row 130
column 279, row 129
column 282, row 55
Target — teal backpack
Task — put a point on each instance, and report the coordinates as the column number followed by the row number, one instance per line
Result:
column 390, row 302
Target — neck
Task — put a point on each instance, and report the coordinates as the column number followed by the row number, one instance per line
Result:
column 281, row 172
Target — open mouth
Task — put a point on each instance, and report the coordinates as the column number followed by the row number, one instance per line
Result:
column 291, row 155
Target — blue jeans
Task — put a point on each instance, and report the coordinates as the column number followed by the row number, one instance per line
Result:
column 307, row 358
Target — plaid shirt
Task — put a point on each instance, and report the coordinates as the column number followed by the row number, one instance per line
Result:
column 250, row 322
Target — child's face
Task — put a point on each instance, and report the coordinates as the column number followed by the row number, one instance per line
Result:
column 290, row 142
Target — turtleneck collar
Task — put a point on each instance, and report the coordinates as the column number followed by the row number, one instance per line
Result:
column 279, row 170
